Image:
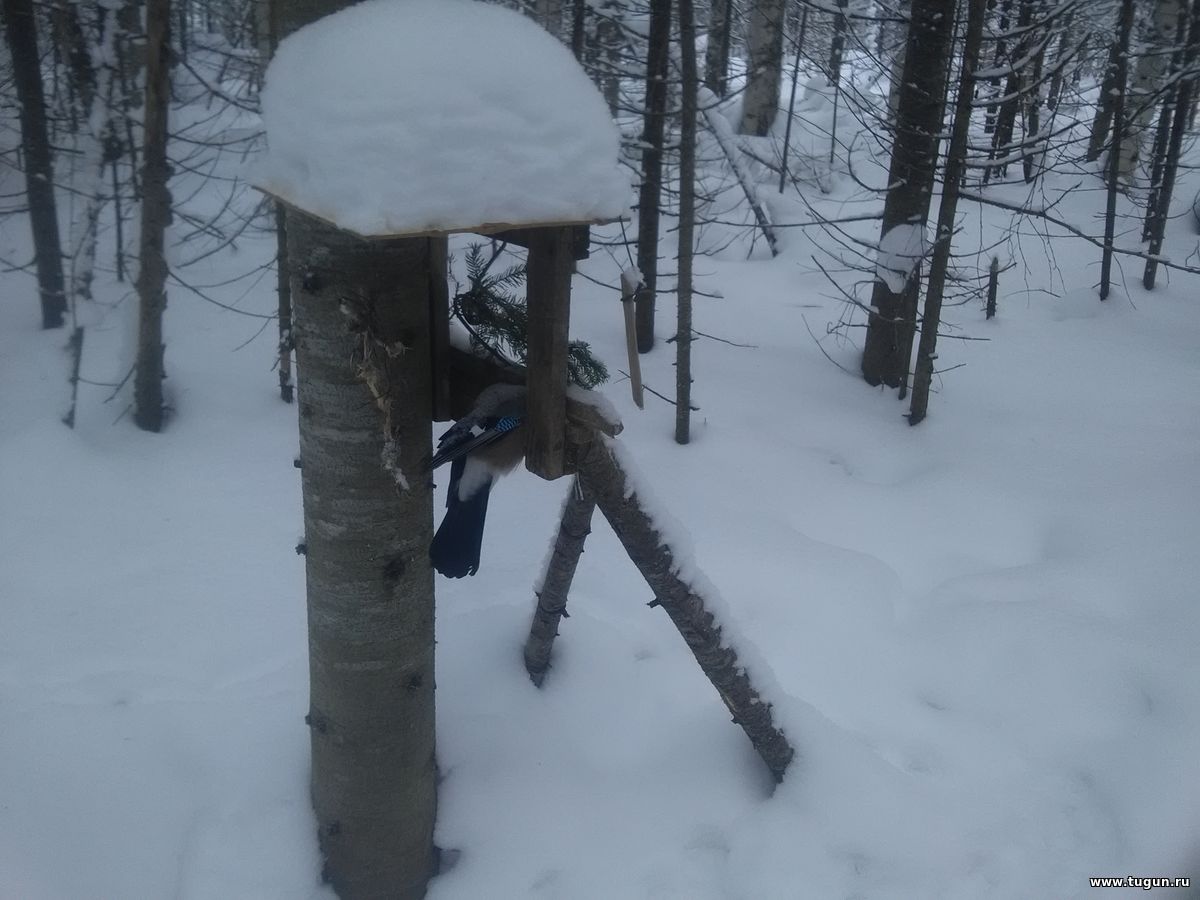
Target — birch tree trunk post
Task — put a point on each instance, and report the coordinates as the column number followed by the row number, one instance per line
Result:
column 892, row 320
column 20, row 30
column 760, row 99
column 1120, row 76
column 686, row 606
column 370, row 588
column 939, row 263
column 649, row 195
column 156, row 215
column 687, row 222
column 370, row 583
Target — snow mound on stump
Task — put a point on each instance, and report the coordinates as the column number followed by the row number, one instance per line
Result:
column 409, row 116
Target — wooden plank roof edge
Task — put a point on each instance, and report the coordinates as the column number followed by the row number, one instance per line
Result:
column 485, row 228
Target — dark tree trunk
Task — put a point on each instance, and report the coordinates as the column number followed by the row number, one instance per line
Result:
column 716, row 54
column 1006, row 121
column 1102, row 123
column 284, row 293
column 649, row 197
column 1119, row 82
column 690, row 79
column 1179, row 126
column 939, row 262
column 1162, row 131
column 892, row 320
column 574, row 526
column 20, row 29
column 156, row 215
column 999, row 58
column 837, row 46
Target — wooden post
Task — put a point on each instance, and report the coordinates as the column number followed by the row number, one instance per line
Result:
column 574, row 526
column 630, row 280
column 603, row 476
column 549, row 303
column 993, row 286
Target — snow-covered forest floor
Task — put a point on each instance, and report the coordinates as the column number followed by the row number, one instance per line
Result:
column 980, row 633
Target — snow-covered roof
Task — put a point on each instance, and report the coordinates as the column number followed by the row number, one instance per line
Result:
column 399, row 117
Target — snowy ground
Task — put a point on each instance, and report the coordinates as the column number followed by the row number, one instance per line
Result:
column 981, row 632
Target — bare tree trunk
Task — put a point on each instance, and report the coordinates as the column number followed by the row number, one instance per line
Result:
column 370, row 583
column 787, row 131
column 760, row 100
column 1183, row 105
column 575, row 524
column 1147, row 78
column 837, row 47
column 1102, row 122
column 892, row 320
column 369, row 579
column 1120, row 76
column 649, row 196
column 156, row 215
column 284, row 293
column 610, row 41
column 685, row 605
column 716, row 54
column 687, row 222
column 939, row 262
column 20, row 29
column 1162, row 131
column 1006, row 120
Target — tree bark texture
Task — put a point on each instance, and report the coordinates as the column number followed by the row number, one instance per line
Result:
column 837, row 46
column 1102, row 121
column 362, row 349
column 690, row 79
column 1119, row 84
column 686, row 607
column 1006, row 120
column 760, row 99
column 575, row 524
column 548, row 300
column 156, row 216
column 20, row 29
column 283, row 289
column 892, row 319
column 1184, row 101
column 1147, row 76
column 939, row 262
column 716, row 53
column 650, row 193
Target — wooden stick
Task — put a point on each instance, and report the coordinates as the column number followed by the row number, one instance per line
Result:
column 603, row 475
column 573, row 528
column 630, row 279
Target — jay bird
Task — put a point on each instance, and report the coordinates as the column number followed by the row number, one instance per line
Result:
column 481, row 446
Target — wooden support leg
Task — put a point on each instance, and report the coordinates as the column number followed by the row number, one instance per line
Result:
column 573, row 528
column 602, row 474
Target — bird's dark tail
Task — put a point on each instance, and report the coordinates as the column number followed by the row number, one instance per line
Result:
column 455, row 548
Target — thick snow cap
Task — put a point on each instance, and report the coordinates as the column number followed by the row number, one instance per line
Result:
column 413, row 116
